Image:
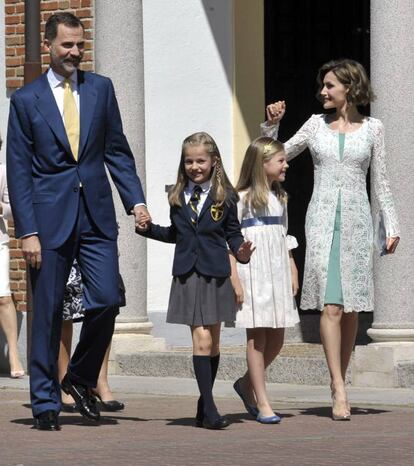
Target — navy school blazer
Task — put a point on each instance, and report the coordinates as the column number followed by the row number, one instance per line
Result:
column 202, row 247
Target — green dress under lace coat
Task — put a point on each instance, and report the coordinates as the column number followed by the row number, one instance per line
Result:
column 333, row 294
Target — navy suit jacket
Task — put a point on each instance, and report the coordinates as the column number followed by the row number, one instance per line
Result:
column 43, row 176
column 202, row 247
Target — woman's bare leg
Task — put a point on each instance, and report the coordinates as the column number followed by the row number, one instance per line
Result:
column 102, row 386
column 349, row 330
column 8, row 322
column 64, row 355
column 330, row 330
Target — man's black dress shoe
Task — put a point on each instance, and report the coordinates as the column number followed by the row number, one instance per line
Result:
column 220, row 423
column 48, row 420
column 84, row 400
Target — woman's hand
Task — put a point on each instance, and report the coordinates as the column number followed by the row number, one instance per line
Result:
column 245, row 251
column 392, row 244
column 275, row 112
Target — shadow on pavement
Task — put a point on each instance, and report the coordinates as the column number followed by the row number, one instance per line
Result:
column 234, row 418
column 126, row 418
column 326, row 411
column 184, row 421
column 69, row 420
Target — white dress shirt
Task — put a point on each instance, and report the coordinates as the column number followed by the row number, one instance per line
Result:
column 205, row 189
column 56, row 83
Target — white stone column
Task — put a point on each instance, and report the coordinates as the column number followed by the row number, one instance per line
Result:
column 119, row 55
column 392, row 75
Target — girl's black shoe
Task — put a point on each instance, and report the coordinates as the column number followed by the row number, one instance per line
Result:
column 220, row 423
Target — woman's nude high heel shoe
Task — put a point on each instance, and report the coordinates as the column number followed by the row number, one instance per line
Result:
column 345, row 415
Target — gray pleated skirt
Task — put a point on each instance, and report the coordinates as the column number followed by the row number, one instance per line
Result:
column 197, row 300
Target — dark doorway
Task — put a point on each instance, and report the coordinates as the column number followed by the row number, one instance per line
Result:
column 301, row 35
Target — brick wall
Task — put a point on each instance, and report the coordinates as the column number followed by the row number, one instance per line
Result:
column 17, row 272
column 14, row 36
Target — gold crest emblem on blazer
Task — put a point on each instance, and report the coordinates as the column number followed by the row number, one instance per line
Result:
column 216, row 212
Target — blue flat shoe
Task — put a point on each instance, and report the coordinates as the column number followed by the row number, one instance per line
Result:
column 275, row 419
column 252, row 410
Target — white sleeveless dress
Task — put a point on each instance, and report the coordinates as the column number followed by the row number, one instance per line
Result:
column 266, row 279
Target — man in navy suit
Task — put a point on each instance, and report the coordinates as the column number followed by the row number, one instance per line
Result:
column 64, row 128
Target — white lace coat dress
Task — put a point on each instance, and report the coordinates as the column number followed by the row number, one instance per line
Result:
column 266, row 279
column 363, row 148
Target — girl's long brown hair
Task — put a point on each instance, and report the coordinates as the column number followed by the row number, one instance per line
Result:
column 221, row 187
column 253, row 177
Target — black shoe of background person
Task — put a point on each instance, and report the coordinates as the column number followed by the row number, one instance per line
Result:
column 110, row 405
column 48, row 420
column 84, row 400
column 69, row 408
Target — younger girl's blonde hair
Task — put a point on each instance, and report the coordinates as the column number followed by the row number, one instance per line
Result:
column 253, row 177
column 221, row 188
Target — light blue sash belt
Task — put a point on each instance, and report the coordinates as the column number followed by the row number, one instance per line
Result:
column 258, row 221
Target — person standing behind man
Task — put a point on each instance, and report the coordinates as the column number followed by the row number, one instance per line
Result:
column 64, row 128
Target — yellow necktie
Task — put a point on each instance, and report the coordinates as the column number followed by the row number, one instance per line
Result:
column 71, row 118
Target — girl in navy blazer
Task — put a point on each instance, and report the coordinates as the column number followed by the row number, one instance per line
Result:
column 203, row 225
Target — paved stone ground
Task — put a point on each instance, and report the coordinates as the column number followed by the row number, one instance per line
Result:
column 158, row 430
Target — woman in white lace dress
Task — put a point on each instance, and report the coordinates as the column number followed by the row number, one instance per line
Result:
column 8, row 317
column 338, row 278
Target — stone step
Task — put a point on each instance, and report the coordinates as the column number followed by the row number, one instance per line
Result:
column 302, row 364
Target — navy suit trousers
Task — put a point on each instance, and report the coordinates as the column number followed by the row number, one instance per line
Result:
column 98, row 261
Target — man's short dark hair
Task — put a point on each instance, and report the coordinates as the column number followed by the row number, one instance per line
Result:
column 68, row 19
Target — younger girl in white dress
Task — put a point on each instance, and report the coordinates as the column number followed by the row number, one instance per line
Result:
column 266, row 286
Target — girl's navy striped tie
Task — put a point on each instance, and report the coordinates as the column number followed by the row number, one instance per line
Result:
column 193, row 203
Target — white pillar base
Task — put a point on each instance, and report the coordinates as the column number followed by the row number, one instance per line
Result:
column 391, row 334
column 132, row 338
column 376, row 364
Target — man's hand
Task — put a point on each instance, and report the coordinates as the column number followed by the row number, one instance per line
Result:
column 32, row 251
column 275, row 112
column 142, row 218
